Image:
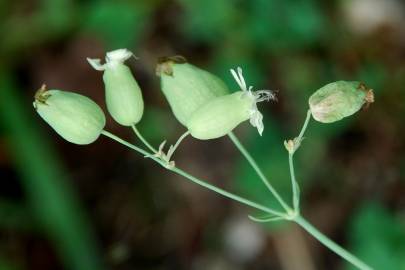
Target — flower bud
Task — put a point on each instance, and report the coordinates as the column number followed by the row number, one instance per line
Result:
column 123, row 94
column 219, row 116
column 222, row 114
column 187, row 87
column 75, row 117
column 340, row 99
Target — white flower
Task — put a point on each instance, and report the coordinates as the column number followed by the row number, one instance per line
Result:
column 256, row 118
column 111, row 59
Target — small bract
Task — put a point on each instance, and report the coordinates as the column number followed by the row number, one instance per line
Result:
column 340, row 99
column 222, row 114
column 123, row 94
column 75, row 117
column 187, row 87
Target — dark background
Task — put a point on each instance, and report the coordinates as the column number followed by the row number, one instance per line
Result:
column 101, row 206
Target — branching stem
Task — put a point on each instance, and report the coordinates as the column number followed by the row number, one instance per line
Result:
column 259, row 172
column 330, row 244
column 296, row 144
column 290, row 215
column 192, row 178
column 143, row 140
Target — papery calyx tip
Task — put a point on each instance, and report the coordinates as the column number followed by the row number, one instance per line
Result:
column 264, row 95
column 164, row 65
column 96, row 64
column 41, row 96
column 111, row 58
column 120, row 55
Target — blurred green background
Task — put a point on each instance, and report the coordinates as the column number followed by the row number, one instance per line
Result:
column 64, row 206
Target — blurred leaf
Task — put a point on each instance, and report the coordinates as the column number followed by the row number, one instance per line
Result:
column 373, row 75
column 50, row 197
column 50, row 20
column 378, row 238
column 6, row 265
column 158, row 125
column 229, row 57
column 284, row 24
column 15, row 216
column 120, row 24
column 57, row 15
column 208, row 20
column 271, row 156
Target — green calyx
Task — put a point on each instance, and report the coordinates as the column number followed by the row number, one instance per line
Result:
column 338, row 100
column 123, row 94
column 187, row 87
column 75, row 117
column 220, row 116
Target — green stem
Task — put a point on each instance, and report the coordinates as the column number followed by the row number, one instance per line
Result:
column 259, row 172
column 144, row 141
column 192, row 178
column 180, row 139
column 294, row 183
column 304, row 127
column 173, row 148
column 298, row 219
column 331, row 245
column 305, row 224
column 225, row 193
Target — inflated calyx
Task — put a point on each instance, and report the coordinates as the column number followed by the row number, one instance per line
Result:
column 122, row 92
column 75, row 117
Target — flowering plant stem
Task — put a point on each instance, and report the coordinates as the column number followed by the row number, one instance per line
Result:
column 190, row 177
column 259, row 172
column 292, row 215
column 294, row 184
column 330, row 244
column 143, row 140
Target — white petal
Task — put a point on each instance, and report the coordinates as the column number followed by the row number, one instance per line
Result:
column 96, row 64
column 256, row 120
column 120, row 55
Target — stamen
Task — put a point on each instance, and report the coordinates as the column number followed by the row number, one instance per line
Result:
column 235, row 76
column 264, row 95
column 239, row 79
column 256, row 118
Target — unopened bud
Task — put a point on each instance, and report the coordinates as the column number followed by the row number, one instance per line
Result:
column 340, row 99
column 75, row 117
column 187, row 87
column 222, row 114
column 219, row 116
column 123, row 94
